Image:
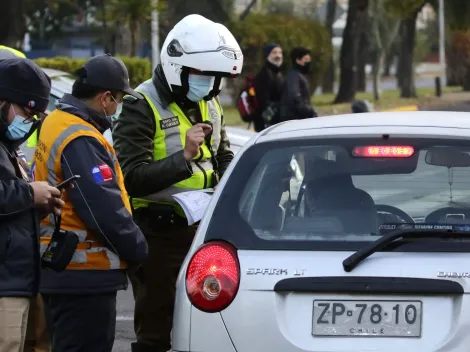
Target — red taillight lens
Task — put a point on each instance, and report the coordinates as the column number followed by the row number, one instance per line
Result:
column 213, row 277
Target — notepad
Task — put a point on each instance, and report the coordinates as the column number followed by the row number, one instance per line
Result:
column 194, row 203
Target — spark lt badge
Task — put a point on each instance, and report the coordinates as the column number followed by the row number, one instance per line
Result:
column 453, row 274
column 273, row 271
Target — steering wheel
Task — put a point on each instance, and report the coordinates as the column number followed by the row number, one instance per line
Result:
column 436, row 215
column 382, row 208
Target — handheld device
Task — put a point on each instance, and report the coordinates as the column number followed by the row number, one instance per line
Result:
column 67, row 181
column 209, row 135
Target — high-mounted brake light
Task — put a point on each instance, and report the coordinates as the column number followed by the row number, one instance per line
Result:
column 384, row 151
column 213, row 277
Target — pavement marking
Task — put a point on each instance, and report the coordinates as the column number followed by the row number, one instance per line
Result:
column 124, row 318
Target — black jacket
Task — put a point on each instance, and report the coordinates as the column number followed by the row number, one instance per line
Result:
column 100, row 207
column 296, row 95
column 133, row 135
column 268, row 87
column 19, row 228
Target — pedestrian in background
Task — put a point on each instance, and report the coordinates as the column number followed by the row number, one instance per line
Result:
column 24, row 93
column 268, row 87
column 80, row 301
column 296, row 94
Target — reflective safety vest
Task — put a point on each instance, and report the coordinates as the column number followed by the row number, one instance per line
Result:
column 32, row 140
column 14, row 51
column 58, row 129
column 170, row 137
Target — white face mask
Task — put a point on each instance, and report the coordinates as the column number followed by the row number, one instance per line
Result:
column 199, row 87
column 277, row 63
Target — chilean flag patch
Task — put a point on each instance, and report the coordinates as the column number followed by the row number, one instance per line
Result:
column 102, row 173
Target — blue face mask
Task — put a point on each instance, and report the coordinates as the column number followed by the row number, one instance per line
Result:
column 199, row 87
column 19, row 127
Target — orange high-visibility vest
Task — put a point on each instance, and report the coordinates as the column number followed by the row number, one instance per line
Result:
column 58, row 129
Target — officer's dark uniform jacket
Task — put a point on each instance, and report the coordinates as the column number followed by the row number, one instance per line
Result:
column 152, row 168
column 104, row 210
column 19, row 227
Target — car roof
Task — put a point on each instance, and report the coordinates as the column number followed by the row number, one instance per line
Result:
column 414, row 122
column 54, row 73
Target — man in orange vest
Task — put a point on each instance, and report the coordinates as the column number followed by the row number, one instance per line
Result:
column 80, row 302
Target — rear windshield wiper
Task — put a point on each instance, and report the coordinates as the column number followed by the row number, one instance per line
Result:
column 353, row 260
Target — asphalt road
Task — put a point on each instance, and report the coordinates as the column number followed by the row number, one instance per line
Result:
column 427, row 189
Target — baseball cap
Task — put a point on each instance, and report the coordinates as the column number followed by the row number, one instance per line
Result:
column 106, row 72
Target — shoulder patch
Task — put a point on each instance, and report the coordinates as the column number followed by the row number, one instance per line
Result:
column 102, row 173
column 130, row 99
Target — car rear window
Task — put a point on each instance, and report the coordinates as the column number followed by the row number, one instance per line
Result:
column 340, row 194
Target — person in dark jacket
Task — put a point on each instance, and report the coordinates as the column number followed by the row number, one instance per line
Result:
column 80, row 301
column 164, row 147
column 24, row 92
column 296, row 95
column 268, row 87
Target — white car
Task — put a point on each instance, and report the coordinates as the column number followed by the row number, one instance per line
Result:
column 369, row 253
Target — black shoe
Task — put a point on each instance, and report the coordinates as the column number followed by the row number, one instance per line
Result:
column 141, row 347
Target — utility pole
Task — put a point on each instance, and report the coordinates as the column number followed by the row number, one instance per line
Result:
column 155, row 36
column 442, row 46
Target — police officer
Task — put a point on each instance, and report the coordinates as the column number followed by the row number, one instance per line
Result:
column 80, row 302
column 165, row 146
column 24, row 92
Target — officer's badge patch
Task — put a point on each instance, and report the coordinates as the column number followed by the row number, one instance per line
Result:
column 169, row 122
column 213, row 112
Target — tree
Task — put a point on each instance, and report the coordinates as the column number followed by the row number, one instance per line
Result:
column 384, row 30
column 133, row 13
column 12, row 23
column 407, row 11
column 329, row 76
column 357, row 12
column 457, row 18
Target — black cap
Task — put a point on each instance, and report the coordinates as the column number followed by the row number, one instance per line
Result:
column 24, row 83
column 106, row 72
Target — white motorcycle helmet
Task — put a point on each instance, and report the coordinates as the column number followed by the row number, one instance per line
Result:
column 199, row 46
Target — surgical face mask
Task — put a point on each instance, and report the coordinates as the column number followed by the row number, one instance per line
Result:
column 199, row 87
column 114, row 116
column 276, row 61
column 18, row 128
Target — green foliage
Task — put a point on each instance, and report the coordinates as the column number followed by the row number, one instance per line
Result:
column 139, row 69
column 402, row 8
column 258, row 30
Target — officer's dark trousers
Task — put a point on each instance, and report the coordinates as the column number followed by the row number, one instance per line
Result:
column 81, row 323
column 154, row 282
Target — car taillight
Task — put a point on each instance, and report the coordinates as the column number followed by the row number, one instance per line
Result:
column 213, row 276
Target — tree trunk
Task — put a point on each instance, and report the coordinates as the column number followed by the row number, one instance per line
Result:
column 357, row 10
column 12, row 23
column 329, row 75
column 408, row 39
column 133, row 29
column 376, row 82
column 364, row 41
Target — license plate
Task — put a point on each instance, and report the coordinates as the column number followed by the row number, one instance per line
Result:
column 367, row 318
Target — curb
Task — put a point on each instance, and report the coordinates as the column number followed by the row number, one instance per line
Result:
column 404, row 108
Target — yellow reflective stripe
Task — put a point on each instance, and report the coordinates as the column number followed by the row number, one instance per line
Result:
column 54, row 150
column 14, row 51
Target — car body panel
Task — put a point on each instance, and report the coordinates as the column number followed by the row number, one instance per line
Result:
column 263, row 319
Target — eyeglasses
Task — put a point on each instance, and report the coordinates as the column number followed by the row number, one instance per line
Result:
column 28, row 116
